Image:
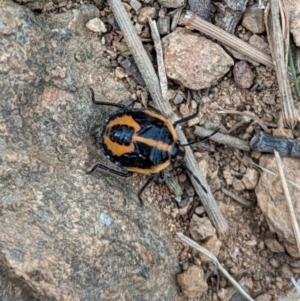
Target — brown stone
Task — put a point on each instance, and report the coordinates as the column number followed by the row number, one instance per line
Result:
column 259, row 43
column 213, row 245
column 193, row 60
column 145, row 13
column 250, row 178
column 274, row 245
column 243, row 75
column 272, row 201
column 201, row 228
column 192, row 282
column 253, row 20
column 237, row 185
column 264, row 297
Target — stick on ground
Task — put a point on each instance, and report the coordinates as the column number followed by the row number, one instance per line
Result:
column 215, row 261
column 194, row 22
column 151, row 80
column 265, row 143
column 278, row 49
column 222, row 138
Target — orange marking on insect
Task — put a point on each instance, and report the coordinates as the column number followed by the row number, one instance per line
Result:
column 116, row 148
column 154, row 143
column 152, row 170
column 125, row 119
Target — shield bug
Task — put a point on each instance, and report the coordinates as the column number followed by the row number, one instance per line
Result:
column 140, row 141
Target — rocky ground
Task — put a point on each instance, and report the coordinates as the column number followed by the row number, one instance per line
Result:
column 69, row 236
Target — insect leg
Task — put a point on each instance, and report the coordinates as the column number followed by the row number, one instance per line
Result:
column 105, row 103
column 162, row 175
column 188, row 117
column 116, row 172
column 202, row 139
column 149, row 180
column 191, row 173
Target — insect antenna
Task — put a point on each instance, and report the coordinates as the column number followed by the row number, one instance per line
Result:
column 105, row 103
column 191, row 173
column 184, row 165
column 202, row 139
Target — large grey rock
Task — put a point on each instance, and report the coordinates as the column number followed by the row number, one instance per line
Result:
column 65, row 235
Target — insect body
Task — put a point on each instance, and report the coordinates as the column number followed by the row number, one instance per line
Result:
column 140, row 141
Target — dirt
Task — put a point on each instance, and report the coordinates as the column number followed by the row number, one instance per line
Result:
column 243, row 252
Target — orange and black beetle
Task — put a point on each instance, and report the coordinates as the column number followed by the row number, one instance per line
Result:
column 140, row 141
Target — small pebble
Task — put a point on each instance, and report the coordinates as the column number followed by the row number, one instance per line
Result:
column 120, row 73
column 274, row 246
column 253, row 20
column 96, row 25
column 171, row 3
column 237, row 185
column 163, row 25
column 192, row 282
column 243, row 75
column 200, row 210
column 146, row 12
column 178, row 99
column 250, row 178
column 136, row 5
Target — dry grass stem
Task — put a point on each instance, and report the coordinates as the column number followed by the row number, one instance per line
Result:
column 151, row 80
column 288, row 199
column 194, row 22
column 141, row 58
column 212, row 209
column 248, row 114
column 236, row 198
column 172, row 183
column 160, row 59
column 273, row 173
column 176, row 18
column 215, row 261
column 285, row 23
column 276, row 42
column 222, row 138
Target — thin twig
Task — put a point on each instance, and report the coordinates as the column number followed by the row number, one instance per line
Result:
column 159, row 57
column 170, row 180
column 141, row 58
column 288, row 199
column 151, row 80
column 172, row 183
column 222, row 139
column 212, row 209
column 176, row 17
column 293, row 70
column 265, row 143
column 248, row 114
column 236, row 198
column 276, row 42
column 273, row 173
column 285, row 23
column 215, row 261
column 194, row 22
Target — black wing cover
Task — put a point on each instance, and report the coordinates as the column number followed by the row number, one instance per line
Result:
column 145, row 155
